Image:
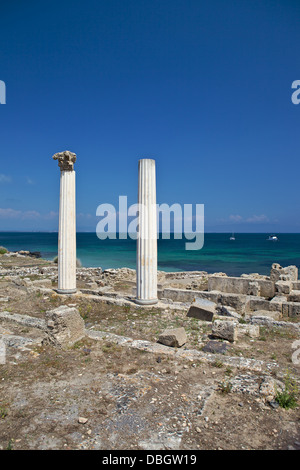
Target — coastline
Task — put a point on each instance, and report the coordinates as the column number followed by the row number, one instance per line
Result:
column 249, row 253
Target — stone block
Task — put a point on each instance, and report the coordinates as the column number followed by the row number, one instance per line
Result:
column 253, row 288
column 294, row 296
column 283, row 287
column 291, row 309
column 296, row 285
column 202, row 309
column 241, row 285
column 276, row 303
column 289, row 273
column 254, row 303
column 235, row 301
column 225, row 329
column 249, row 330
column 175, row 337
column 276, row 272
column 64, row 326
column 183, row 295
column 264, row 314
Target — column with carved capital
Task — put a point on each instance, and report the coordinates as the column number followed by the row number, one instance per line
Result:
column 146, row 266
column 67, row 224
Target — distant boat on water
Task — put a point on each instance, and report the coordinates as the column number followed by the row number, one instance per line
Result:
column 232, row 237
column 273, row 238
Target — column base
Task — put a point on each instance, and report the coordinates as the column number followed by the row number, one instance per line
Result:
column 66, row 291
column 146, row 302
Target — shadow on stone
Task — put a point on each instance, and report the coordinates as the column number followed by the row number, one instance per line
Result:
column 216, row 347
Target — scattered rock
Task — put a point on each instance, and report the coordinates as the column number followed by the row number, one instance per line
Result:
column 82, row 420
column 175, row 337
column 225, row 329
column 268, row 388
column 215, row 347
column 65, row 326
column 202, row 309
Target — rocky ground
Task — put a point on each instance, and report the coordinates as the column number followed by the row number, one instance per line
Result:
column 117, row 388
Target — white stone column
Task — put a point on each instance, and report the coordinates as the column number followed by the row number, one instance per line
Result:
column 67, row 224
column 146, row 266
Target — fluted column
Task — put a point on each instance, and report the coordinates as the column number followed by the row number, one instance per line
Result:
column 67, row 224
column 146, row 268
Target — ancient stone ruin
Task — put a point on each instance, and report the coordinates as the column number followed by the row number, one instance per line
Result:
column 67, row 224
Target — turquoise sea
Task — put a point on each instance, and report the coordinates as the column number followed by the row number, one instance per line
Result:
column 249, row 253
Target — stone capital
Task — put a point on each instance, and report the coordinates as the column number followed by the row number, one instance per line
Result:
column 66, row 160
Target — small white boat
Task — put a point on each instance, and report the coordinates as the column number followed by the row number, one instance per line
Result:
column 232, row 237
column 273, row 238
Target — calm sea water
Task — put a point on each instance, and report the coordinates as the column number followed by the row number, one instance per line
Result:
column 249, row 253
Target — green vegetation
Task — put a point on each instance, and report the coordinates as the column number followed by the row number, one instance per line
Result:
column 287, row 398
column 10, row 445
column 228, row 371
column 217, row 363
column 3, row 412
column 3, row 250
column 225, row 387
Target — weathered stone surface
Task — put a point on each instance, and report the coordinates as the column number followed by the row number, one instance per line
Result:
column 268, row 388
column 264, row 387
column 254, row 303
column 15, row 341
column 253, row 288
column 174, row 337
column 283, row 287
column 227, row 311
column 65, row 159
column 202, row 309
column 65, row 326
column 239, row 285
column 264, row 313
column 294, row 296
column 277, row 302
column 236, row 301
column 270, row 322
column 192, row 355
column 289, row 273
column 249, row 330
column 183, row 295
column 25, row 320
column 215, row 347
column 291, row 309
column 225, row 329
column 276, row 271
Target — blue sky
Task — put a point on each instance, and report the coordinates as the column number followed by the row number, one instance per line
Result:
column 203, row 87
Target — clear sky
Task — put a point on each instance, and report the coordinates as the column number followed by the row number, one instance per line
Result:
column 203, row 87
